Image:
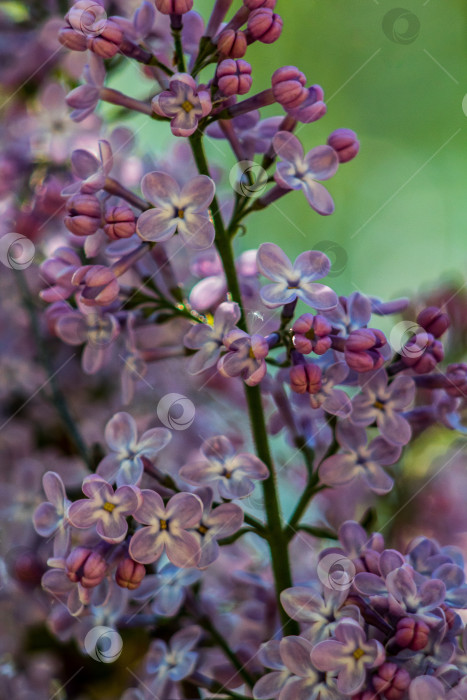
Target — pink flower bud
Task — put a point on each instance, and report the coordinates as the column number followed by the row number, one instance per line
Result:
column 120, row 222
column 174, row 7
column 434, row 321
column 305, row 379
column 234, row 77
column 72, row 40
column 288, row 86
column 232, row 43
column 311, row 334
column 391, row 681
column 98, row 285
column 345, row 143
column 129, row 574
column 422, row 352
column 84, row 214
column 108, row 42
column 256, row 4
column 456, row 375
column 362, row 349
column 412, row 634
column 86, row 567
column 264, row 25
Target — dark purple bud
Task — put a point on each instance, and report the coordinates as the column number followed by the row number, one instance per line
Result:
column 232, row 43
column 434, row 321
column 345, row 143
column 84, row 214
column 129, row 574
column 288, row 86
column 391, row 681
column 362, row 349
column 311, row 334
column 120, row 222
column 86, row 567
column 234, row 77
column 412, row 634
column 98, row 285
column 305, row 379
column 256, row 4
column 422, row 353
column 456, row 376
column 265, row 25
column 72, row 39
column 25, row 566
column 174, row 7
column 108, row 42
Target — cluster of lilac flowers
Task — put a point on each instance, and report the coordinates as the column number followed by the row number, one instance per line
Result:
column 141, row 276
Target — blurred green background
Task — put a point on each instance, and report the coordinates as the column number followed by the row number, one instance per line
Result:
column 398, row 77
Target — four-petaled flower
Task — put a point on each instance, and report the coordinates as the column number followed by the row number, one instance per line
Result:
column 104, row 508
column 297, row 281
column 245, row 357
column 172, row 663
column 167, row 527
column 185, row 210
column 232, row 472
column 126, row 464
column 183, row 104
column 299, row 171
column 208, row 340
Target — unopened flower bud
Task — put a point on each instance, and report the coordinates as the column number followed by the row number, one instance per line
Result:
column 391, row 681
column 129, row 574
column 422, row 353
column 256, row 4
column 345, row 143
column 232, row 43
column 108, row 42
column 434, row 321
column 120, row 222
column 174, row 7
column 265, row 25
column 311, row 334
column 84, row 214
column 85, row 566
column 456, row 376
column 98, row 285
column 362, row 349
column 288, row 86
column 412, row 634
column 72, row 39
column 305, row 379
column 234, row 77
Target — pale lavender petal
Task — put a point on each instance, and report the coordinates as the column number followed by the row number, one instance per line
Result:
column 250, row 465
column 339, row 469
column 128, row 498
column 370, row 584
column 268, row 686
column 288, row 147
column 183, row 550
column 323, row 162
column 151, row 509
column 225, row 520
column 426, row 688
column 402, row 392
column 112, row 530
column 84, row 164
column 83, row 514
column 198, row 193
column 350, row 436
column 146, row 545
column 338, row 404
column 160, row 189
column 295, row 653
column 185, row 509
column 153, row 441
column 384, row 452
column 108, row 468
column 185, row 639
column 328, row 655
column 93, row 358
column 197, row 230
column 318, row 197
column 377, row 479
column 273, row 263
column 218, row 447
column 121, row 433
column 394, row 427
column 96, row 488
column 274, row 295
column 351, row 678
column 318, row 296
column 54, row 489
column 156, row 225
column 46, row 519
column 71, row 329
column 301, row 603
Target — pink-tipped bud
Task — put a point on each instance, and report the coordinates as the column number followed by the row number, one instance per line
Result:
column 256, row 4
column 174, row 7
column 456, row 375
column 412, row 634
column 129, row 574
column 362, row 349
column 345, row 143
column 422, row 352
column 311, row 334
column 265, row 25
column 120, row 222
column 99, row 286
column 84, row 214
column 305, row 379
column 288, row 86
column 232, row 43
column 434, row 321
column 234, row 77
column 86, row 567
column 108, row 42
column 72, row 39
column 391, row 681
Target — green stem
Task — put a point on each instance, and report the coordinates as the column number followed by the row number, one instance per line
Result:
column 319, row 532
column 218, row 638
column 179, row 56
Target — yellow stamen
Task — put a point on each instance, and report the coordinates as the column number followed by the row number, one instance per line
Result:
column 187, row 106
column 379, row 405
column 163, row 524
column 181, row 214
column 251, row 354
column 109, row 506
column 202, row 529
column 358, row 653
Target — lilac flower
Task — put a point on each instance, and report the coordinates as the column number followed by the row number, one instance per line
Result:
column 351, row 312
column 91, row 171
column 299, row 171
column 167, row 529
column 167, row 589
column 383, row 403
column 50, row 518
column 253, row 135
column 350, row 654
column 244, row 357
column 360, row 459
column 183, row 103
column 297, row 281
column 270, row 685
column 84, row 98
column 172, row 663
column 58, row 270
column 332, row 400
column 320, row 613
column 233, row 473
column 216, row 523
column 184, row 210
column 76, row 596
column 95, row 329
column 104, row 508
column 126, row 464
column 208, row 339
column 305, row 681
